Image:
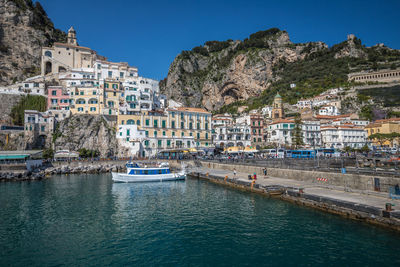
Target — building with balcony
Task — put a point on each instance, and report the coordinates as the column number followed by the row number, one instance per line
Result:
column 86, row 100
column 238, row 134
column 39, row 127
column 173, row 128
column 279, row 132
column 341, row 136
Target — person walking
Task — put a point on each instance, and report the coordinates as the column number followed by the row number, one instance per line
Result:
column 234, row 172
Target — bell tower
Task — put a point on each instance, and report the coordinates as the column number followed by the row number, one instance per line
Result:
column 72, row 36
column 277, row 107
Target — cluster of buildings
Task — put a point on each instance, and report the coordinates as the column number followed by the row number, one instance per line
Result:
column 332, row 131
column 147, row 122
column 88, row 83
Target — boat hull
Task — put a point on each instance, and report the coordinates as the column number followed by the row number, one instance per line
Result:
column 127, row 178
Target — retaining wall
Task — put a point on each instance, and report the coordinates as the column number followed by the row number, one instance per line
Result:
column 351, row 181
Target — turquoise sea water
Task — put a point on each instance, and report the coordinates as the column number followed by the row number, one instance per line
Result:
column 88, row 220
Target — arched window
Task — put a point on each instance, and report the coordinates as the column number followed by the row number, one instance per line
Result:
column 130, row 122
column 47, row 54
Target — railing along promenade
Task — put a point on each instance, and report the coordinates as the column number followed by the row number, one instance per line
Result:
column 335, row 165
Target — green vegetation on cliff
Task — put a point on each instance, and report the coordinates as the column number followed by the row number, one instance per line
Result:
column 28, row 102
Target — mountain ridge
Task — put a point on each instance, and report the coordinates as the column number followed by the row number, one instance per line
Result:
column 249, row 72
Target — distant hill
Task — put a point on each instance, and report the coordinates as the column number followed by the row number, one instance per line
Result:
column 221, row 76
column 24, row 29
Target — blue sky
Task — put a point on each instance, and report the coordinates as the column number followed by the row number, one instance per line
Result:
column 149, row 34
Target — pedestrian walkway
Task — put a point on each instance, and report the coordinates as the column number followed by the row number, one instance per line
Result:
column 370, row 198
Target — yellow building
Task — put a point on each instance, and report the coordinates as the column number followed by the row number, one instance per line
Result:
column 174, row 128
column 385, row 126
column 86, row 100
column 112, row 96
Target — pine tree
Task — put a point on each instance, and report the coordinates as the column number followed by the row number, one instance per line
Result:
column 297, row 133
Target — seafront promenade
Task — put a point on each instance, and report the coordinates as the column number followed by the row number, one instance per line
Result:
column 366, row 205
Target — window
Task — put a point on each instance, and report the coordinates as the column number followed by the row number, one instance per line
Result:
column 120, row 133
column 173, row 124
column 82, row 93
column 122, row 122
column 181, row 115
column 159, row 143
column 198, row 135
column 198, row 126
column 92, row 109
column 163, row 133
column 128, row 132
column 155, row 124
column 206, row 135
column 190, row 126
column 115, row 86
column 182, row 134
column 109, row 74
column 168, row 142
column 138, row 122
column 147, row 133
column 163, row 124
column 188, row 143
column 191, row 134
column 47, row 54
column 182, row 125
column 147, row 122
column 206, row 125
column 42, row 128
column 121, row 75
column 80, row 109
column 94, row 92
column 146, row 143
column 54, row 92
column 130, row 122
column 173, row 133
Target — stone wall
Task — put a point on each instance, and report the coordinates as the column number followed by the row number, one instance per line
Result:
column 7, row 102
column 350, row 181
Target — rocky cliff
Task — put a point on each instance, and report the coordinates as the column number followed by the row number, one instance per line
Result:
column 86, row 131
column 24, row 29
column 233, row 72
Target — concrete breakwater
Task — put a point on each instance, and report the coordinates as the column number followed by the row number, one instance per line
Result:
column 348, row 181
column 74, row 167
column 41, row 173
column 297, row 195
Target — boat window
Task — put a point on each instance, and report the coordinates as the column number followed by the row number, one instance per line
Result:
column 159, row 171
column 146, row 172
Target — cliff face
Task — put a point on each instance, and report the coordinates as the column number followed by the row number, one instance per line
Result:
column 221, row 73
column 86, row 131
column 24, row 29
column 224, row 72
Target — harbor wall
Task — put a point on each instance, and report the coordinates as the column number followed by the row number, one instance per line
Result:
column 349, row 181
column 350, row 210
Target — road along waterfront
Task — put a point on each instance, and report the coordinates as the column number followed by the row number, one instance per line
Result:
column 86, row 219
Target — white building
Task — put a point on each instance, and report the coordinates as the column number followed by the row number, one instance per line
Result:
column 328, row 110
column 221, row 120
column 243, row 119
column 267, row 111
column 141, row 94
column 280, row 132
column 238, row 134
column 78, row 77
column 114, row 70
column 311, row 130
column 341, row 136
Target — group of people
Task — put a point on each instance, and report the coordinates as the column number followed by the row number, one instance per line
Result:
column 252, row 177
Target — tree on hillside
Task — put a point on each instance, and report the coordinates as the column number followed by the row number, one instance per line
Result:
column 381, row 138
column 28, row 102
column 297, row 132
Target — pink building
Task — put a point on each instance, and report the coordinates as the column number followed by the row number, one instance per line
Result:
column 57, row 98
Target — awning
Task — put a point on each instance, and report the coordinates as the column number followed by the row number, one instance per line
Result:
column 4, row 157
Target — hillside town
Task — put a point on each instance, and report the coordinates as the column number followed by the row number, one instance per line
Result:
column 77, row 81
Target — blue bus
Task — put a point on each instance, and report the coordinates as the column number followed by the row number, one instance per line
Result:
column 300, row 154
column 325, row 152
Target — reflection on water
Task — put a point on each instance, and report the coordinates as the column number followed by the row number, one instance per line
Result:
column 88, row 220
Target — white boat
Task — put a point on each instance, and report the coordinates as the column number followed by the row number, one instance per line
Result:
column 136, row 173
